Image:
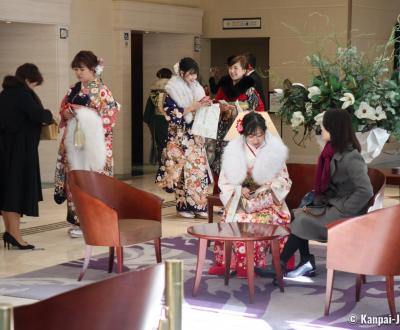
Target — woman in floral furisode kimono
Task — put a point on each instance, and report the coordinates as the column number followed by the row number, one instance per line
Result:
column 88, row 92
column 254, row 160
column 185, row 166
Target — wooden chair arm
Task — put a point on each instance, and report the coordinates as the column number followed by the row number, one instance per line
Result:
column 96, row 219
column 133, row 203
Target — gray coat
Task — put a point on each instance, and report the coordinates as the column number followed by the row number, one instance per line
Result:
column 347, row 195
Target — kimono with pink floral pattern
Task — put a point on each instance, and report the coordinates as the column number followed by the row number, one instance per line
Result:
column 98, row 97
column 275, row 212
column 184, row 168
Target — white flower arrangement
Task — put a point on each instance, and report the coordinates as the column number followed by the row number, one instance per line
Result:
column 350, row 82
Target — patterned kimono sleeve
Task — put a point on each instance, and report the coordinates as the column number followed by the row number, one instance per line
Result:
column 254, row 100
column 174, row 113
column 109, row 109
column 281, row 185
column 64, row 107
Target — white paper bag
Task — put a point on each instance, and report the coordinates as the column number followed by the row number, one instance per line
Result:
column 372, row 143
column 206, row 121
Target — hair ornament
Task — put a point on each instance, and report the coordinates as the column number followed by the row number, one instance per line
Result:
column 176, row 68
column 99, row 67
column 239, row 126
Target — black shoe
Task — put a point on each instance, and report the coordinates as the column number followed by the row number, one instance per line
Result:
column 306, row 267
column 9, row 239
column 269, row 271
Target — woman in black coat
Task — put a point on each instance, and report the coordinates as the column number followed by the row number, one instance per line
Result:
column 21, row 118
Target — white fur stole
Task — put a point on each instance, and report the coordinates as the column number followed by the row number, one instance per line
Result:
column 92, row 156
column 183, row 94
column 269, row 161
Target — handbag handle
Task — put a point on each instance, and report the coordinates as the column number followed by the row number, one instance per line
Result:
column 307, row 210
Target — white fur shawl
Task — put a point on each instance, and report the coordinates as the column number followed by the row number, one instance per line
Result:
column 92, row 156
column 269, row 161
column 183, row 94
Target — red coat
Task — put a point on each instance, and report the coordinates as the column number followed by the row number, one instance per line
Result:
column 243, row 91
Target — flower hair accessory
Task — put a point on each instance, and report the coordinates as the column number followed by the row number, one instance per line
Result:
column 99, row 67
column 239, row 126
column 176, row 68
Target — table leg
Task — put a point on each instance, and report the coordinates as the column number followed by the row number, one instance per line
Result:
column 227, row 254
column 201, row 255
column 277, row 262
column 250, row 268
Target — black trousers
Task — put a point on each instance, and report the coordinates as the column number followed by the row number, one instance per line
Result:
column 293, row 244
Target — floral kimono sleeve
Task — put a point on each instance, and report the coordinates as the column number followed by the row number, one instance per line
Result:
column 109, row 109
column 281, row 185
column 254, row 100
column 174, row 113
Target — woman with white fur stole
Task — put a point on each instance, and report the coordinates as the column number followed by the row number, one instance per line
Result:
column 90, row 103
column 184, row 168
column 254, row 183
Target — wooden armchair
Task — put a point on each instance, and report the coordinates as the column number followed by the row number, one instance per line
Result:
column 114, row 214
column 367, row 244
column 130, row 301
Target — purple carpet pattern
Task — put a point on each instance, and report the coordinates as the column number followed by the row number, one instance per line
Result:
column 226, row 307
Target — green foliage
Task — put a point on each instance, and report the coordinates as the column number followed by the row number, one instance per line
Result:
column 350, row 82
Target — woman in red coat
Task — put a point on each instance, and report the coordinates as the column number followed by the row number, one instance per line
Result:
column 234, row 87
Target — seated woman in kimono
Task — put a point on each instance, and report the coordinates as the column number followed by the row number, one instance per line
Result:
column 253, row 166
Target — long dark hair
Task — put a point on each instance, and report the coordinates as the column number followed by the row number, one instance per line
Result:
column 338, row 123
column 251, row 122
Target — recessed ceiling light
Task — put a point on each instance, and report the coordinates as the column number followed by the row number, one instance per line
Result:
column 8, row 22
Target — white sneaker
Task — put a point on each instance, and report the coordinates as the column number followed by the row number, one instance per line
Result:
column 201, row 215
column 189, row 215
column 75, row 232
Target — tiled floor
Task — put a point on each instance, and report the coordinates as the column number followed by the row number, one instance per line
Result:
column 54, row 245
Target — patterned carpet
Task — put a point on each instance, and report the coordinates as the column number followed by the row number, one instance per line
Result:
column 220, row 307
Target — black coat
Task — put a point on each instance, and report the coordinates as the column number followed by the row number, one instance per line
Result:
column 21, row 118
column 259, row 86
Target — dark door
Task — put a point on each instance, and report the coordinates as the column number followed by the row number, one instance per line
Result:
column 137, row 101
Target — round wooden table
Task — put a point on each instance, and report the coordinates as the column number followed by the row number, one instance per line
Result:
column 238, row 231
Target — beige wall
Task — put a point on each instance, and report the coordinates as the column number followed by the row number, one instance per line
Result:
column 296, row 29
column 36, row 11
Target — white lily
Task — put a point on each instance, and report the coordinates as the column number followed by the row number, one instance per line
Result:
column 313, row 91
column 297, row 119
column 348, row 99
column 379, row 113
column 365, row 111
column 319, row 118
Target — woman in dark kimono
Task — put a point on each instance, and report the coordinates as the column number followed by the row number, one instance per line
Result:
column 21, row 118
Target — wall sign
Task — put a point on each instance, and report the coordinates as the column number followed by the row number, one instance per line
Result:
column 241, row 23
column 63, row 33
